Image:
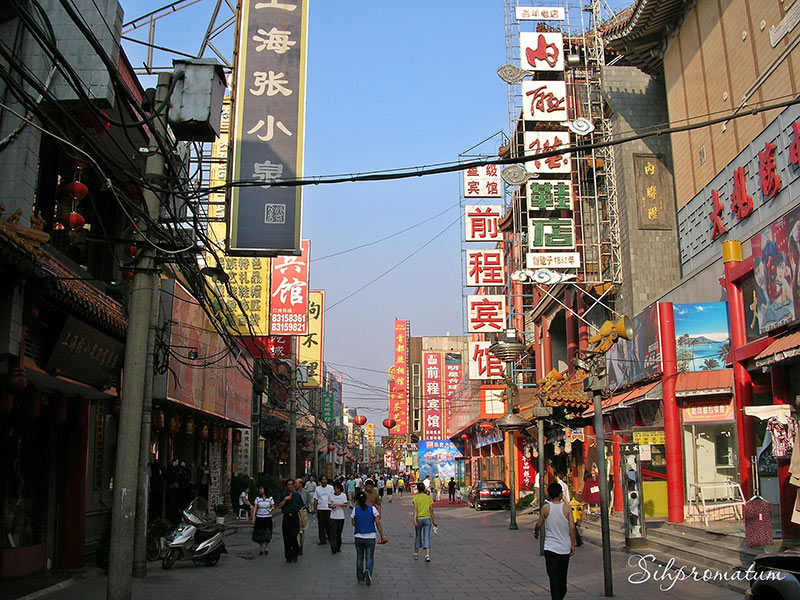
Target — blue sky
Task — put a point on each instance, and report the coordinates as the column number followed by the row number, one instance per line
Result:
column 390, row 84
column 709, row 319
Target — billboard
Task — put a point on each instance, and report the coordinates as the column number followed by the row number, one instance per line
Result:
column 310, row 346
column 398, row 387
column 630, row 361
column 437, row 458
column 288, row 313
column 269, row 115
column 701, row 336
column 432, row 395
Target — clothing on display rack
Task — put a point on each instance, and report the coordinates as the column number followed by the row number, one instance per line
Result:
column 757, row 522
column 783, row 432
column 794, row 464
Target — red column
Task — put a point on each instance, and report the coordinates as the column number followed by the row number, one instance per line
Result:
column 588, row 432
column 547, row 348
column 780, row 395
column 742, row 383
column 616, row 459
column 672, row 415
column 73, row 522
column 583, row 328
column 572, row 339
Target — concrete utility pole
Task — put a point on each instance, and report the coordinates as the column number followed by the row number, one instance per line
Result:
column 126, row 472
column 315, row 459
column 142, row 494
column 293, row 431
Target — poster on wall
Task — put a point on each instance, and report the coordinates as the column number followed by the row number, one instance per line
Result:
column 437, row 458
column 776, row 258
column 701, row 336
column 630, row 361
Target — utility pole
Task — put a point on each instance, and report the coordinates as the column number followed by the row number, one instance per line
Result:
column 597, row 382
column 317, row 409
column 293, row 431
column 540, row 475
column 126, row 472
column 142, row 494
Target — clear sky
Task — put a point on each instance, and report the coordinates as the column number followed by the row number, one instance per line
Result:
column 390, row 84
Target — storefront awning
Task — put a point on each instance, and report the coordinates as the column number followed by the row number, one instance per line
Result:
column 784, row 348
column 704, row 383
column 625, row 398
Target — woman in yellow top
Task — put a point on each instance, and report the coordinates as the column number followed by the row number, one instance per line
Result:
column 423, row 518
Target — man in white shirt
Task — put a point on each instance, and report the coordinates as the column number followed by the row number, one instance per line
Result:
column 564, row 487
column 322, row 495
column 427, row 482
column 310, row 487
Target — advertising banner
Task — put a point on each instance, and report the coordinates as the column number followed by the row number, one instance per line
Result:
column 269, row 117
column 310, row 347
column 481, row 222
column 437, row 458
column 278, row 346
column 630, row 361
column 453, row 371
column 432, row 395
column 289, row 293
column 398, row 390
column 701, row 336
column 483, row 182
column 525, row 467
column 482, row 363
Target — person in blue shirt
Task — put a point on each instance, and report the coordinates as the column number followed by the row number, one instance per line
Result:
column 290, row 503
column 366, row 521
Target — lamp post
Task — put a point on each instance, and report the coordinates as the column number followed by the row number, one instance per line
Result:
column 509, row 350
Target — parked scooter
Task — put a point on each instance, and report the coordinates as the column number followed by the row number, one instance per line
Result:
column 198, row 538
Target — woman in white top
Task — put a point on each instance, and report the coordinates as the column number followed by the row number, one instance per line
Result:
column 559, row 539
column 261, row 512
column 337, row 503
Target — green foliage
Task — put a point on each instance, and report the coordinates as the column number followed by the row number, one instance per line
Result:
column 272, row 485
column 525, row 501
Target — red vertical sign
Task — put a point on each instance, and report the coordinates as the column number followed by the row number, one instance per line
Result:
column 452, row 373
column 288, row 311
column 398, row 391
column 432, row 395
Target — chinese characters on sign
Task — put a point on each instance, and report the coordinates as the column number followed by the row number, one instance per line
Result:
column 541, row 51
column 482, row 363
column 486, row 313
column 279, row 346
column 482, row 222
column 652, row 186
column 537, row 142
column 483, row 182
column 268, row 128
column 544, row 100
column 432, row 395
column 539, row 13
column 552, row 260
column 551, row 234
column 289, row 308
column 702, row 412
column 484, row 267
column 452, row 377
column 309, row 347
column 398, row 390
column 493, row 401
column 546, row 196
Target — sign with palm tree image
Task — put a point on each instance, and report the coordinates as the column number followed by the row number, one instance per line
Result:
column 702, row 336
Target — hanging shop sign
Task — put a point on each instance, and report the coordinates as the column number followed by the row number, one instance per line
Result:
column 482, row 363
column 493, row 403
column 432, row 395
column 541, row 51
column 547, row 141
column 649, row 438
column 85, row 354
column 310, row 347
column 289, row 293
column 486, row 313
column 249, row 289
column 544, row 101
column 485, row 267
column 453, row 373
column 398, row 386
column 552, row 260
column 269, row 117
column 708, row 411
column 539, row 13
column 483, row 182
column 481, row 222
column 545, row 196
column 551, row 233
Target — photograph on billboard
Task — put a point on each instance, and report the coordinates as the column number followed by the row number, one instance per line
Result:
column 634, row 360
column 701, row 336
column 437, row 458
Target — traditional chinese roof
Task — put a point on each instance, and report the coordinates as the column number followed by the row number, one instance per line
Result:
column 25, row 247
column 570, row 393
column 639, row 33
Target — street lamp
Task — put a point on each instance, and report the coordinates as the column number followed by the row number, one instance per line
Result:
column 509, row 350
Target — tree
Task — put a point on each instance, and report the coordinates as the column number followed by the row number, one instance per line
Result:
column 724, row 350
column 710, row 364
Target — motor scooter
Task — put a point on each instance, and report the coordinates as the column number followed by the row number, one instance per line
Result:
column 198, row 538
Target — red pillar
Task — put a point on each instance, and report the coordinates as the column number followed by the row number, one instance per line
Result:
column 672, row 415
column 73, row 522
column 583, row 328
column 589, row 436
column 742, row 383
column 572, row 339
column 547, row 348
column 616, row 459
column 780, row 395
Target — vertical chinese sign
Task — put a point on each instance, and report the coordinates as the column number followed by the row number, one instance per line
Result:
column 309, row 347
column 289, row 294
column 398, row 387
column 482, row 363
column 264, row 220
column 650, row 179
column 483, row 182
column 432, row 395
column 452, row 375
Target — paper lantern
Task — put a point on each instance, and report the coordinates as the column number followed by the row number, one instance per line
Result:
column 486, row 426
column 464, row 437
column 359, row 420
column 202, row 431
column 73, row 221
column 340, row 453
column 158, row 419
column 331, row 447
column 350, row 446
column 188, row 426
column 131, row 250
column 389, row 423
column 237, row 436
column 127, row 275
column 76, row 191
column 174, row 425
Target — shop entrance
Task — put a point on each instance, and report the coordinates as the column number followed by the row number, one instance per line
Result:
column 710, row 456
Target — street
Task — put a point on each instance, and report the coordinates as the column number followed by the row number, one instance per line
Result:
column 474, row 556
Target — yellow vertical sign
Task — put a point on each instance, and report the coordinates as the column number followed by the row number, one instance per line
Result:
column 249, row 276
column 309, row 347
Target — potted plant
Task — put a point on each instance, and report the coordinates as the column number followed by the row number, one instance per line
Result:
column 221, row 510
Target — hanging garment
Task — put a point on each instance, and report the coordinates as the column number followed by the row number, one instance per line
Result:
column 783, row 435
column 794, row 465
column 796, row 510
column 757, row 522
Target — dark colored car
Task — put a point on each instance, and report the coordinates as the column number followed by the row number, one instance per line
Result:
column 775, row 577
column 490, row 493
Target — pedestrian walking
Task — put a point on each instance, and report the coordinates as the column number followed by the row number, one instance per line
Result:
column 366, row 521
column 303, row 513
column 559, row 539
column 401, row 486
column 389, row 488
column 337, row 503
column 310, row 488
column 381, row 485
column 261, row 514
column 438, row 484
column 427, row 483
column 451, row 490
column 423, row 519
column 373, row 498
column 564, row 487
column 290, row 503
column 321, row 496
column 351, row 490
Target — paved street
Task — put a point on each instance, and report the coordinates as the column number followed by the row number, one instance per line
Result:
column 474, row 556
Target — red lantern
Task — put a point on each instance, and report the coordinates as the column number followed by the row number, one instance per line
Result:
column 76, row 191
column 131, row 250
column 73, row 221
column 331, row 447
column 340, row 453
column 464, row 437
column 237, row 436
column 389, row 423
column 307, row 445
column 214, row 433
column 360, row 420
column 350, row 446
column 174, row 425
column 94, row 125
column 158, row 419
column 486, row 426
column 188, row 426
column 203, row 431
column 58, row 406
column 6, row 402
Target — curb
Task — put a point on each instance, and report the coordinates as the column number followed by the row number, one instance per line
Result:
column 50, row 589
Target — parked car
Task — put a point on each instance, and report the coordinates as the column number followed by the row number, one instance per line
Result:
column 777, row 577
column 489, row 493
